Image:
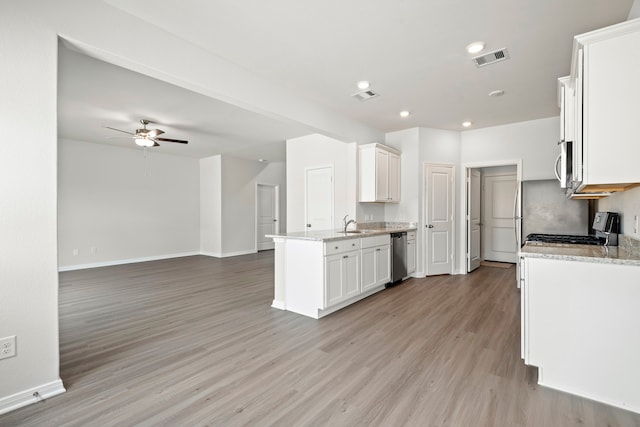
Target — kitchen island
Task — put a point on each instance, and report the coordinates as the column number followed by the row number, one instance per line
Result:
column 319, row 272
column 580, row 320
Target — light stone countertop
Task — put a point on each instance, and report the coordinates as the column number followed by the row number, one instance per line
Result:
column 330, row 235
column 585, row 253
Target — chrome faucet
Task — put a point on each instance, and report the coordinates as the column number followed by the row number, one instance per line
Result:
column 346, row 223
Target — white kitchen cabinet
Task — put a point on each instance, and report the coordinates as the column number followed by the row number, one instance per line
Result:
column 342, row 277
column 379, row 173
column 604, row 79
column 411, row 252
column 579, row 327
column 376, row 262
column 317, row 277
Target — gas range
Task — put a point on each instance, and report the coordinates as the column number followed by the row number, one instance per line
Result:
column 565, row 238
column 606, row 225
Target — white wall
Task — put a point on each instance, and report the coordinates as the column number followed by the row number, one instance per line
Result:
column 420, row 146
column 534, row 141
column 211, row 205
column 228, row 202
column 125, row 206
column 28, row 193
column 28, row 216
column 627, row 203
column 408, row 143
column 319, row 150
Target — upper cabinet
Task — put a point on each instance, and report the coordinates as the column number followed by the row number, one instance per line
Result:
column 599, row 110
column 379, row 173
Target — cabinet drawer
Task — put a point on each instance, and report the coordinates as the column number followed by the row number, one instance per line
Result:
column 411, row 235
column 338, row 246
column 370, row 242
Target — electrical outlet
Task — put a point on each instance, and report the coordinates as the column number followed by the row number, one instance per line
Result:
column 7, row 347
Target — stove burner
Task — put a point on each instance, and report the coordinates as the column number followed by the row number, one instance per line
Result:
column 565, row 238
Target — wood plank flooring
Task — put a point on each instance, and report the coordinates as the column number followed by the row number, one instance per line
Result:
column 193, row 341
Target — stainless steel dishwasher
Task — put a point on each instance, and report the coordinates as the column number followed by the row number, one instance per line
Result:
column 398, row 256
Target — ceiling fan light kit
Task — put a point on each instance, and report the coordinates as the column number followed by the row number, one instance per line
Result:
column 148, row 137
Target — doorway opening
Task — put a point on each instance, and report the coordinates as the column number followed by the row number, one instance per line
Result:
column 492, row 207
column 267, row 215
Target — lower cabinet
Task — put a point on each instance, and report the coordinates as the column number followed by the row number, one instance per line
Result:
column 342, row 277
column 580, row 323
column 376, row 266
column 411, row 252
column 320, row 277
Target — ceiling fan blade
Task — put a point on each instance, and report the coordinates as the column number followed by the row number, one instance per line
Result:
column 123, row 131
column 155, row 132
column 179, row 141
column 155, row 144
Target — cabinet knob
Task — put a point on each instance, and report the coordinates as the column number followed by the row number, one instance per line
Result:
column 335, row 247
column 345, row 256
column 308, row 225
column 378, row 250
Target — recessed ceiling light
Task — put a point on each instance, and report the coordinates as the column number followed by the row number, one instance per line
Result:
column 466, row 124
column 496, row 93
column 475, row 47
column 405, row 113
column 363, row 84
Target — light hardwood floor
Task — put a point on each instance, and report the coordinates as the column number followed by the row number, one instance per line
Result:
column 193, row 341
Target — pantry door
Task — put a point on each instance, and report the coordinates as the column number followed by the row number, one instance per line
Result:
column 439, row 218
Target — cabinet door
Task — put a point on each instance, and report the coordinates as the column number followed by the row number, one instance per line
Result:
column 394, row 178
column 411, row 256
column 382, row 175
column 333, row 289
column 342, row 277
column 351, row 274
column 369, row 279
column 383, row 265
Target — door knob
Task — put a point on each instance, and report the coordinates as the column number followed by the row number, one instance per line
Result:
column 430, row 226
column 274, row 220
column 308, row 225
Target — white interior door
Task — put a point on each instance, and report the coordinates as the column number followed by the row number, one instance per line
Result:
column 439, row 219
column 499, row 238
column 319, row 198
column 473, row 219
column 267, row 207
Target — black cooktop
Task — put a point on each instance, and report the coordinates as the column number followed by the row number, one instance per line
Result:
column 565, row 238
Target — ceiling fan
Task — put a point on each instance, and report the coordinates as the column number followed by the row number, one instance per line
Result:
column 148, row 137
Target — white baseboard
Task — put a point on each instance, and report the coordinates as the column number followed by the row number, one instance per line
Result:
column 26, row 397
column 278, row 304
column 228, row 254
column 124, row 261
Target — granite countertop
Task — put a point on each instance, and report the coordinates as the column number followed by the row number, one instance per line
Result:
column 585, row 253
column 329, row 235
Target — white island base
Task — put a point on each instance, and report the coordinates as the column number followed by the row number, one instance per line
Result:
column 316, row 277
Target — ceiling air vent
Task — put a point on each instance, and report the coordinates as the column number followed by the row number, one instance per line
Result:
column 364, row 95
column 491, row 57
